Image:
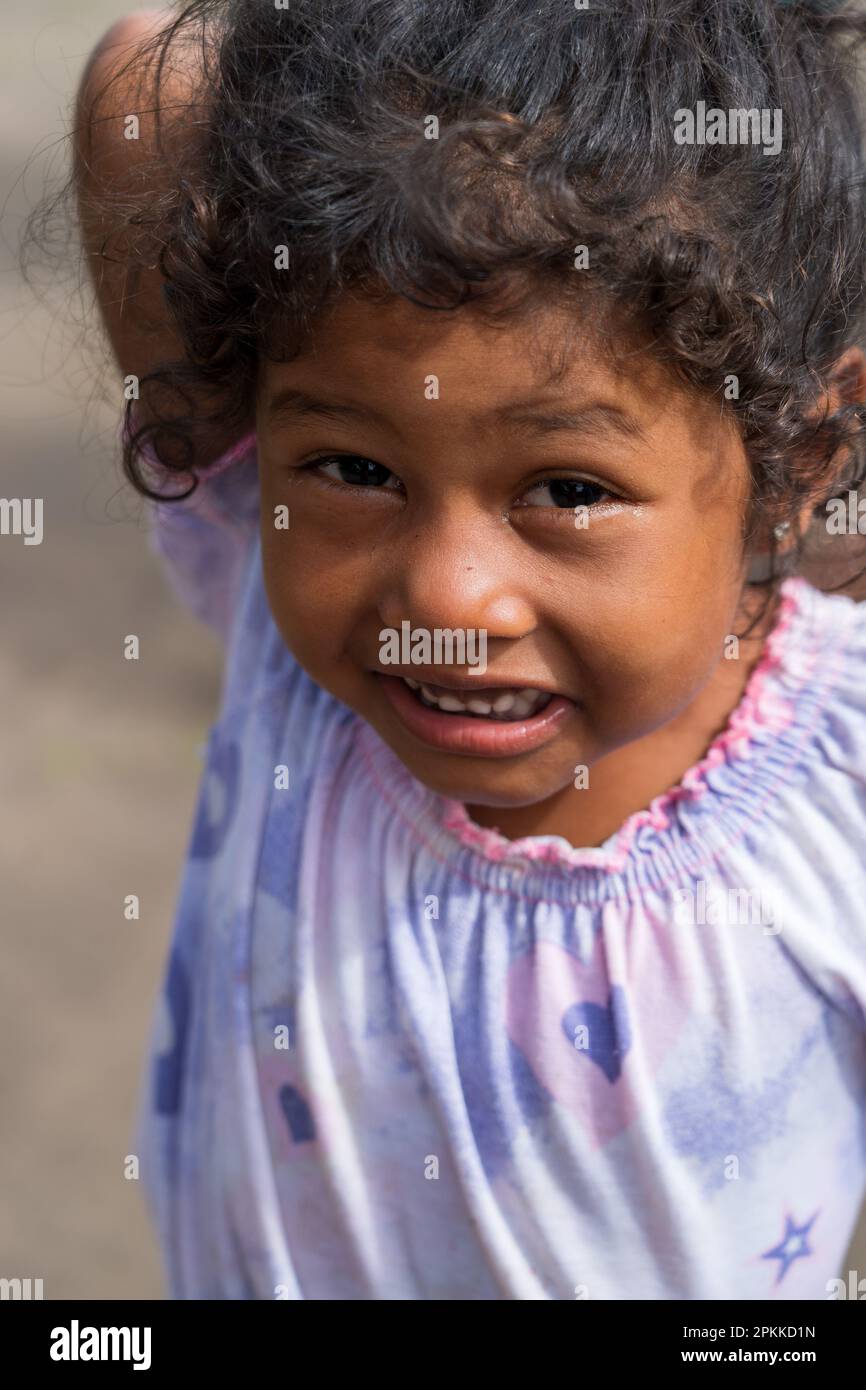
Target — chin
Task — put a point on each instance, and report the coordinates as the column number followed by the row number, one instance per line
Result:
column 480, row 782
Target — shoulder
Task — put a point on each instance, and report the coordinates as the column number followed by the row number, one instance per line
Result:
column 829, row 658
column 822, row 872
column 205, row 541
column 832, row 621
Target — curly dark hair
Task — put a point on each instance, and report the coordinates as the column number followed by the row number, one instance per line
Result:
column 555, row 130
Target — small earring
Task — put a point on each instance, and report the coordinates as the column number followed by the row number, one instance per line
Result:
column 761, row 568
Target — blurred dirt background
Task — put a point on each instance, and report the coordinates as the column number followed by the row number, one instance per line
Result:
column 98, row 755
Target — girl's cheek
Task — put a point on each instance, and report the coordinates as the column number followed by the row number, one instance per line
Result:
column 650, row 664
column 312, row 607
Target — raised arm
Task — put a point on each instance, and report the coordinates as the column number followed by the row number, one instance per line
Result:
column 139, row 111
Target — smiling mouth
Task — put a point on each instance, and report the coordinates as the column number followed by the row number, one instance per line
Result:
column 505, row 704
column 488, row 722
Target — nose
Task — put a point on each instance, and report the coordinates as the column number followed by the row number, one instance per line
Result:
column 457, row 573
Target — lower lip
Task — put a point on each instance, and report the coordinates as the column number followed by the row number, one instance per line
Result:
column 462, row 733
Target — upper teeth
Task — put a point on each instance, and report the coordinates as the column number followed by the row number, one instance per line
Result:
column 518, row 704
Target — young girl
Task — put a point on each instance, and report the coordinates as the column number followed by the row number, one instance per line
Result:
column 499, row 357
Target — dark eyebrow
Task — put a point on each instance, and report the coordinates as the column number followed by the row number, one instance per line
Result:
column 589, row 419
column 291, row 404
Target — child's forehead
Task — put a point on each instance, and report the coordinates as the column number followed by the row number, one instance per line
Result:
column 557, row 348
column 393, row 321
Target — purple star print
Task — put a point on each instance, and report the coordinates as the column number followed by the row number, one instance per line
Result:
column 793, row 1246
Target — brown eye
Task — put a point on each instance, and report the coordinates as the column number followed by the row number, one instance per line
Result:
column 566, row 493
column 354, row 470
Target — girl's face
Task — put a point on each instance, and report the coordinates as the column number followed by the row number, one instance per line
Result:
column 432, row 469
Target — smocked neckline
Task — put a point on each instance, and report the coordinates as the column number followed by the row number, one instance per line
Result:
column 762, row 737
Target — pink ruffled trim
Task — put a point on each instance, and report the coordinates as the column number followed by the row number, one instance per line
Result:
column 762, row 712
column 226, row 460
column 231, row 456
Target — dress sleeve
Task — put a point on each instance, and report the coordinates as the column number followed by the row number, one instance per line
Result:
column 204, row 542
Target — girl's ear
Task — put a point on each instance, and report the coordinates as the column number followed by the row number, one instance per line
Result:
column 846, row 386
column 846, row 383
